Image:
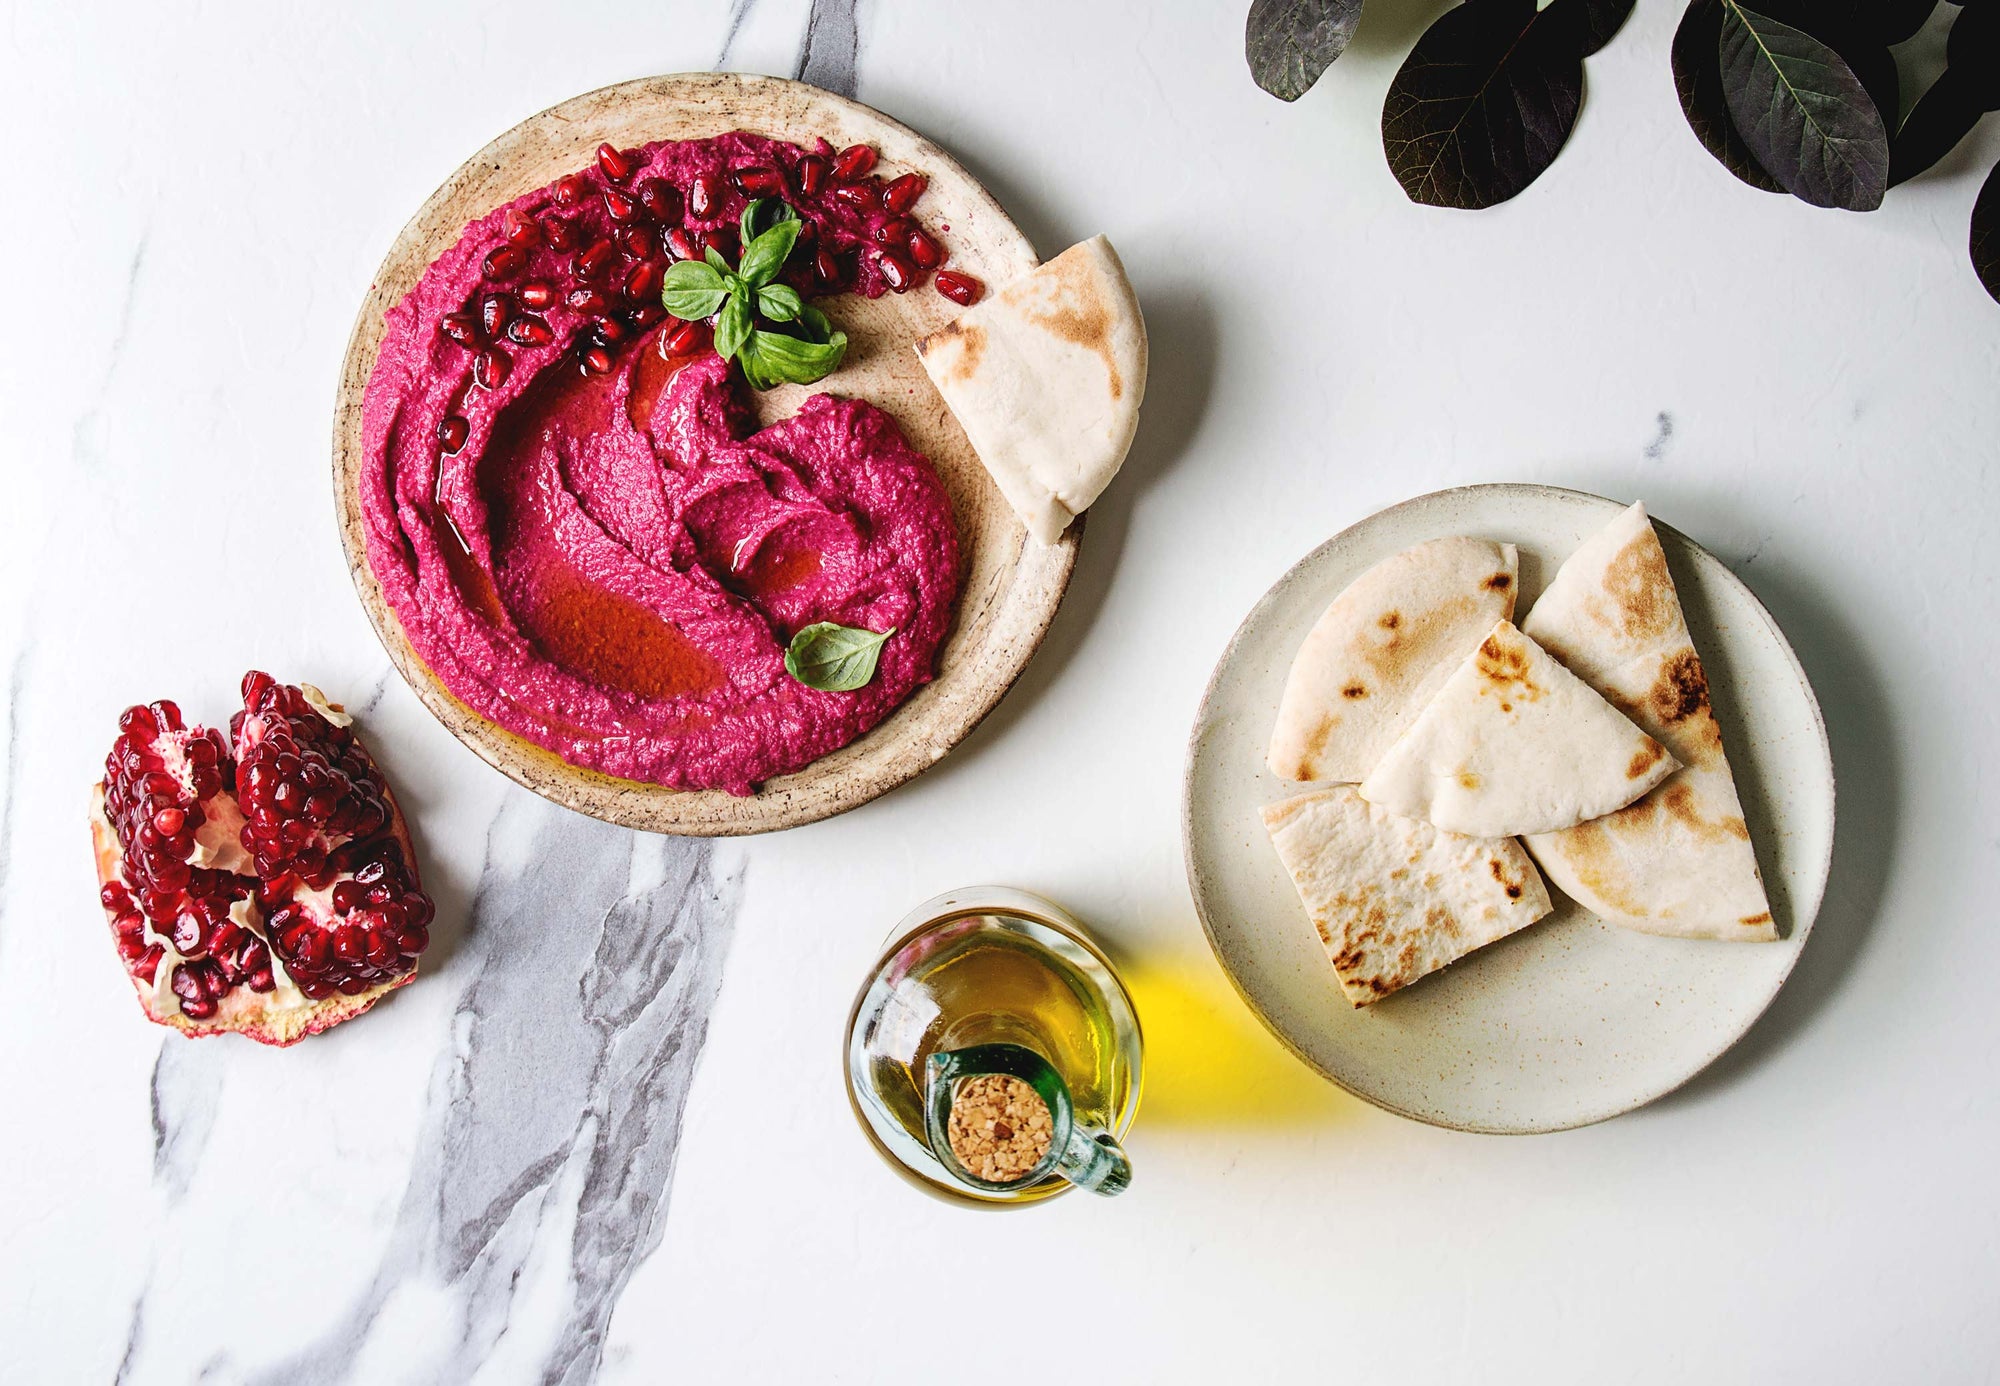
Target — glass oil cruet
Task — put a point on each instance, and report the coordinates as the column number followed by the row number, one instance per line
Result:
column 995, row 983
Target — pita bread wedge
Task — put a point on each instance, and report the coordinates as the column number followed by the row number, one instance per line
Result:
column 1045, row 377
column 1379, row 652
column 1680, row 860
column 1514, row 743
column 1393, row 898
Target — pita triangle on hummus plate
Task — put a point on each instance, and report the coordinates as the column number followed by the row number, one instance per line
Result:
column 1514, row 743
column 1679, row 861
column 1378, row 653
column 1393, row 898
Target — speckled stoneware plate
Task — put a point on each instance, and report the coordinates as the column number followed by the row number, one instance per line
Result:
column 1010, row 586
column 1572, row 1020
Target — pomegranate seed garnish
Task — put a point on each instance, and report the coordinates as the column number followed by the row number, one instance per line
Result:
column 597, row 360
column 530, row 332
column 505, row 261
column 723, row 241
column 894, row 231
column 453, row 432
column 854, row 161
column 902, row 194
column 682, row 245
column 961, row 289
column 758, row 180
column 462, row 328
column 646, row 314
column 559, row 234
column 642, row 281
column 860, row 196
column 538, row 294
column 640, row 242
column 828, row 269
column 610, row 330
column 586, row 301
column 682, row 339
column 659, row 199
column 704, row 198
column 494, row 310
column 523, row 231
column 617, row 165
column 492, row 367
column 895, row 273
column 812, row 174
column 621, row 206
column 593, row 262
column 927, row 253
column 568, row 190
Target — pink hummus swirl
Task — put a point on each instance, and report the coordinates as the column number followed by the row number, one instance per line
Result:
column 611, row 562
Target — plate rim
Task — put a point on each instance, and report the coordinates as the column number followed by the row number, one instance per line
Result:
column 803, row 796
column 1802, row 922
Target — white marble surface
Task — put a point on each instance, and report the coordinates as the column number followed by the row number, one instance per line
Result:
column 504, row 1175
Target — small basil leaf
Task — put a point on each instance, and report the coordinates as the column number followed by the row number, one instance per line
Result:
column 1697, row 62
column 1803, row 113
column 733, row 327
column 747, row 225
column 1289, row 43
column 692, row 290
column 1484, row 103
column 715, row 260
column 780, row 302
column 765, row 256
column 833, row 658
column 787, row 359
column 1986, row 234
column 815, row 324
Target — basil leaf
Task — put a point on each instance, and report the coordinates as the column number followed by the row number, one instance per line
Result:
column 834, row 658
column 733, row 327
column 765, row 256
column 780, row 303
column 780, row 359
column 1289, row 43
column 747, row 227
column 1986, row 234
column 693, row 290
column 817, row 328
column 715, row 260
column 1802, row 112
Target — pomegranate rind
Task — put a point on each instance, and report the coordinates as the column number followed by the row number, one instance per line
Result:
column 242, row 1011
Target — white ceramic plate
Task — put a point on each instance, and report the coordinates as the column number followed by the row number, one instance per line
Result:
column 1572, row 1020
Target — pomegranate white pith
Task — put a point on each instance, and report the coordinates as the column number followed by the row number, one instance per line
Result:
column 265, row 885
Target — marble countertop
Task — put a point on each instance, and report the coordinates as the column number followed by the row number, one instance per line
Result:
column 604, row 1137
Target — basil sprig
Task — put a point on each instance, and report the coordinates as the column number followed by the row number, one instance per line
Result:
column 807, row 349
column 834, row 658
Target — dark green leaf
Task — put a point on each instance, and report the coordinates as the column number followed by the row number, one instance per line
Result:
column 1596, row 22
column 834, row 659
column 1697, row 60
column 1986, row 234
column 771, row 359
column 780, row 302
column 692, row 290
column 732, row 328
column 715, row 260
column 1802, row 112
column 1289, row 43
column 751, row 223
column 1483, row 103
column 765, row 256
column 1942, row 117
column 1894, row 21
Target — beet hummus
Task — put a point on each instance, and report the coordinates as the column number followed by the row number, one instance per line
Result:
column 569, row 512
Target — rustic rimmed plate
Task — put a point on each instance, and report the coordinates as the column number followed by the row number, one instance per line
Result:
column 1011, row 585
column 1573, row 1020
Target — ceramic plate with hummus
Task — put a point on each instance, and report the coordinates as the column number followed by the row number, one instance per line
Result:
column 644, row 482
column 1509, row 808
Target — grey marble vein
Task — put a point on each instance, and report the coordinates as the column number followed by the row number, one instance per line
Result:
column 83, row 441
column 831, row 46
column 739, row 10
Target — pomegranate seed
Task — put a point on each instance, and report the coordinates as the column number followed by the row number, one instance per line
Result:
column 894, row 231
column 827, row 267
column 659, row 199
column 640, row 242
column 902, row 194
column 617, row 165
column 621, row 206
column 591, row 263
column 597, row 360
column 646, row 314
column 682, row 245
column 505, row 261
column 927, row 253
column 859, row 196
column 347, row 896
column 586, row 301
column 494, row 311
column 349, row 943
column 168, row 821
column 568, row 190
column 530, row 332
column 538, row 294
column 723, row 241
column 453, row 432
column 812, row 174
column 413, row 940
column 703, row 197
column 854, row 161
column 758, row 180
column 523, row 231
column 491, row 369
column 642, row 281
column 682, row 339
column 961, row 289
column 559, row 234
column 190, row 935
column 462, row 328
column 611, row 330
column 896, row 274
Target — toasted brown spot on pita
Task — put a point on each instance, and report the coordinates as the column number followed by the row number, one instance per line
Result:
column 971, row 339
column 1512, row 887
column 1317, row 741
column 1505, row 666
column 1595, row 862
column 1506, row 707
column 1754, row 920
column 1082, row 315
column 1736, row 827
column 1468, row 780
column 1682, row 688
column 1647, row 757
column 1354, row 690
column 1391, row 620
column 1499, row 582
column 1641, row 589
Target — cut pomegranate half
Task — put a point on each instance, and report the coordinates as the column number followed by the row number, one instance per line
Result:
column 264, row 885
